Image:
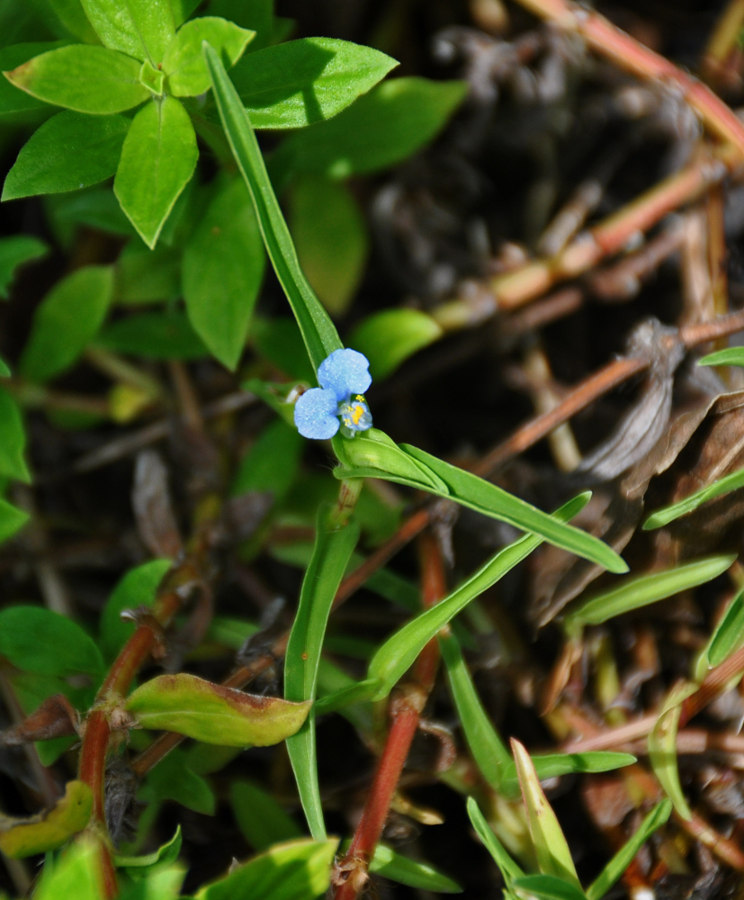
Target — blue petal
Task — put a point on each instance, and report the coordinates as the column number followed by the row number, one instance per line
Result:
column 345, row 372
column 315, row 414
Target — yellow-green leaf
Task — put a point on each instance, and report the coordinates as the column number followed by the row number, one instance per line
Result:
column 49, row 829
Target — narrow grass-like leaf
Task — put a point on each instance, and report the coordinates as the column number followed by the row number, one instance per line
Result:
column 318, row 332
column 507, row 866
column 728, row 634
column 730, row 356
column 412, row 872
column 624, row 856
column 398, row 653
column 488, row 750
column 547, row 887
column 331, row 554
column 551, row 848
column 359, row 458
column 634, row 593
column 667, row 514
column 662, row 747
column 553, row 765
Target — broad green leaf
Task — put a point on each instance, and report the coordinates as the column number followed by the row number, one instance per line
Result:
column 13, row 441
column 47, row 830
column 625, row 855
column 74, row 873
column 223, row 267
column 300, row 82
column 212, row 713
column 546, row 887
column 14, row 252
column 728, row 634
column 635, row 592
column 331, row 553
column 507, row 866
column 278, row 340
column 68, row 318
column 157, row 162
column 551, row 849
column 730, row 356
column 184, row 63
column 15, row 103
column 416, row 874
column 398, row 653
column 463, row 487
column 662, row 747
column 296, row 870
column 318, row 332
column 382, row 128
column 157, row 335
column 389, row 337
column 331, row 238
column 140, row 28
column 173, row 779
column 135, row 590
column 12, row 520
column 667, row 514
column 38, row 640
column 161, row 883
column 68, row 152
column 261, row 819
column 485, row 744
column 96, row 207
column 89, row 79
column 166, row 853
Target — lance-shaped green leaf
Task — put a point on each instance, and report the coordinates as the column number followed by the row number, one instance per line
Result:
column 296, row 870
column 729, row 356
column 4, row 370
column 389, row 337
column 297, row 83
column 223, row 267
column 727, row 636
column 140, row 28
column 157, row 161
column 383, row 127
column 547, row 887
column 13, row 441
column 448, row 481
column 633, row 593
column 49, row 829
column 73, row 20
column 386, row 862
column 12, row 520
column 331, row 554
column 184, row 62
column 69, row 316
column 398, row 653
column 14, row 252
column 213, row 713
column 662, row 747
column 318, row 331
column 624, row 856
column 551, row 849
column 89, row 79
column 667, row 514
column 68, row 152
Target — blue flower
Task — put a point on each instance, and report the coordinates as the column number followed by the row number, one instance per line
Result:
column 338, row 402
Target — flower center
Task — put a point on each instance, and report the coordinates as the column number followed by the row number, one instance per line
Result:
column 355, row 415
